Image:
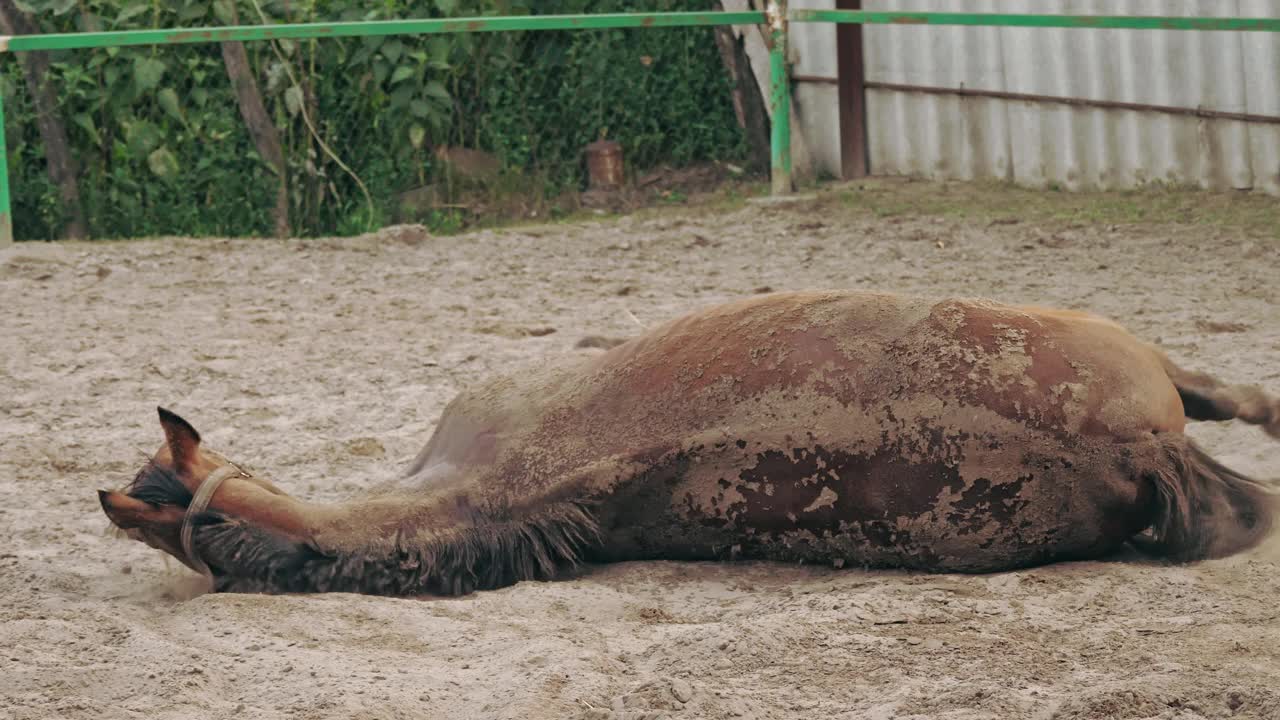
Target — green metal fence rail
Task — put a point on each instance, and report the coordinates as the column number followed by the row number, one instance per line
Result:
column 777, row 18
column 1113, row 22
column 375, row 28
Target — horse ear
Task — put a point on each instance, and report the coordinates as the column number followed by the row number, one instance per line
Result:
column 127, row 513
column 184, row 441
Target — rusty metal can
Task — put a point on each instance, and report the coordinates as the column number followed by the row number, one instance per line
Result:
column 604, row 165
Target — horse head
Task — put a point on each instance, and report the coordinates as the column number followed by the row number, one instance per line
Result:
column 186, row 487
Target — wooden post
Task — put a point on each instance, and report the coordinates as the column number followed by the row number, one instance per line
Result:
column 852, row 78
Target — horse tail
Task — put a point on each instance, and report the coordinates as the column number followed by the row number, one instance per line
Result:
column 1203, row 510
column 1206, row 398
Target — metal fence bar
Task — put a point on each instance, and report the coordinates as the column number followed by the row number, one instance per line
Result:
column 1124, row 22
column 178, row 36
column 779, row 99
column 6, row 219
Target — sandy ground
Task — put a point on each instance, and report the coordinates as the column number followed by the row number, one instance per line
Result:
column 324, row 364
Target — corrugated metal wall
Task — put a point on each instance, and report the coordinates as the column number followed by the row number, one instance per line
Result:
column 1040, row 144
column 813, row 54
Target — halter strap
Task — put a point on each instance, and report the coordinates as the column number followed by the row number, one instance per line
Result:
column 198, row 505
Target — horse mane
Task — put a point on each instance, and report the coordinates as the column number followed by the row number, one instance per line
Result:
column 158, row 485
column 456, row 561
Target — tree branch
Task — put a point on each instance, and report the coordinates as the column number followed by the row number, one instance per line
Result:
column 63, row 172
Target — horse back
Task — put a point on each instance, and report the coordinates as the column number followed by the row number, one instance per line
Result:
column 853, row 370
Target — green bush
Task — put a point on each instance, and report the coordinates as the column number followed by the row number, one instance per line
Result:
column 163, row 150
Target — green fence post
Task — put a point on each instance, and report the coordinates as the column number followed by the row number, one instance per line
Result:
column 780, row 98
column 6, row 218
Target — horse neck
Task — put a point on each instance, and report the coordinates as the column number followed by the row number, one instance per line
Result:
column 388, row 520
column 438, row 545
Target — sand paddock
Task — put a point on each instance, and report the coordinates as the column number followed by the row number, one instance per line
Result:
column 324, row 364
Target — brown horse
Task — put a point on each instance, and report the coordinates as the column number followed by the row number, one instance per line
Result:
column 851, row 428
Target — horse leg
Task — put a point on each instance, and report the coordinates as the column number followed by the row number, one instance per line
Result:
column 1206, row 398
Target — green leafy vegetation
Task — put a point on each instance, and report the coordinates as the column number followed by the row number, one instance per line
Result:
column 162, row 148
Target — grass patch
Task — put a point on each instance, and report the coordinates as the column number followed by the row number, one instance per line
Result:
column 1000, row 202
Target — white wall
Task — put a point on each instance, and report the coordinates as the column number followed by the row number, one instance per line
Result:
column 1038, row 144
column 813, row 53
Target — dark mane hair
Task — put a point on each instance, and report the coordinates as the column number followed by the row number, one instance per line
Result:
column 158, row 486
column 459, row 561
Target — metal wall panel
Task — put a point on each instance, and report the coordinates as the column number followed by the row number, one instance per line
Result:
column 813, row 54
column 1041, row 144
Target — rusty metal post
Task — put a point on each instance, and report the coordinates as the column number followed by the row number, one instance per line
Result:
column 779, row 98
column 851, row 79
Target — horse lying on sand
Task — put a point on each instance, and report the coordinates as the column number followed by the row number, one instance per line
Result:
column 850, row 428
